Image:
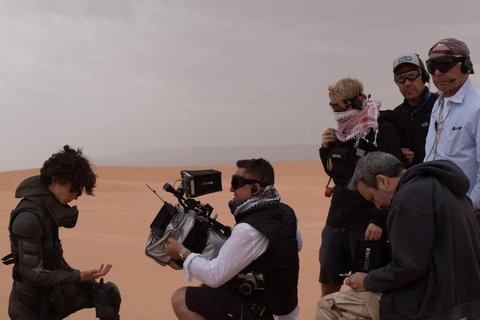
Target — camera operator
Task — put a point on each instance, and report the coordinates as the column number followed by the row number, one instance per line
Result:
column 262, row 250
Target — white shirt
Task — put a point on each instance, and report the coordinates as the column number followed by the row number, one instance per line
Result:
column 244, row 245
column 454, row 134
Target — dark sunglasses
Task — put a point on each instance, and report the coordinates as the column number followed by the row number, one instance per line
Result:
column 443, row 63
column 411, row 75
column 239, row 181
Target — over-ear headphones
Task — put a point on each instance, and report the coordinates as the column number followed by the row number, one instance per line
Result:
column 356, row 103
column 254, row 188
column 425, row 76
column 467, row 66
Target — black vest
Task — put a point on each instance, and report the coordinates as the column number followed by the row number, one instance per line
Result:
column 51, row 245
column 280, row 263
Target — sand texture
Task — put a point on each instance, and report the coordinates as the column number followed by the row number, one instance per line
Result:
column 113, row 227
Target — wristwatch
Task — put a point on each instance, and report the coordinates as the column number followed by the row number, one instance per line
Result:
column 182, row 253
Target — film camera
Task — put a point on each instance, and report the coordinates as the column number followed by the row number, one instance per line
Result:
column 193, row 183
column 250, row 282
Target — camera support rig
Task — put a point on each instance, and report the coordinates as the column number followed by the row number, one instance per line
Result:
column 204, row 210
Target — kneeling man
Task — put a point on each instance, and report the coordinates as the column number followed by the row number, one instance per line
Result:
column 263, row 249
column 435, row 268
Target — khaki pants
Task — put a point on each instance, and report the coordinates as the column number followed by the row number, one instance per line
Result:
column 349, row 305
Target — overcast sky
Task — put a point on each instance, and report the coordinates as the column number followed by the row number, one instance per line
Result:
column 117, row 76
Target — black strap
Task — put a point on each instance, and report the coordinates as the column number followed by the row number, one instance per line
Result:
column 8, row 259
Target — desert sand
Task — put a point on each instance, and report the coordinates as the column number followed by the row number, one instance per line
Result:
column 114, row 224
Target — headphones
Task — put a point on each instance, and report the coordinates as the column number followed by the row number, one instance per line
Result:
column 354, row 102
column 467, row 66
column 254, row 189
column 425, row 76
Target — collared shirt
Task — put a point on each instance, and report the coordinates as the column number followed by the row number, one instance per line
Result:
column 454, row 134
column 244, row 245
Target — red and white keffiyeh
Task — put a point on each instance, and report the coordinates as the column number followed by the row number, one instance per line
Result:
column 356, row 124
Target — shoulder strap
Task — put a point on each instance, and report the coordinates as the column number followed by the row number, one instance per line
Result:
column 28, row 204
column 36, row 206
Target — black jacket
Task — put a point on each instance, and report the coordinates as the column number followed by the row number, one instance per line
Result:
column 349, row 209
column 280, row 263
column 435, row 268
column 412, row 123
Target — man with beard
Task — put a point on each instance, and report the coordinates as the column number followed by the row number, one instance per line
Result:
column 263, row 248
column 435, row 267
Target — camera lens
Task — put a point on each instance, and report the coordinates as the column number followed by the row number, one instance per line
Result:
column 247, row 287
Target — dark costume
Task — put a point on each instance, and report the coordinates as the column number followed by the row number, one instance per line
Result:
column 45, row 286
column 435, row 268
column 349, row 213
column 412, row 123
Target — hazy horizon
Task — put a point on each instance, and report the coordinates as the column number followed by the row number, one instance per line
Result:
column 202, row 156
column 123, row 76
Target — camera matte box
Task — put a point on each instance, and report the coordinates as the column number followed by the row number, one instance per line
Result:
column 199, row 182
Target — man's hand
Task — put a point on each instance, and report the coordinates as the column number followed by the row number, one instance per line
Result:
column 407, row 156
column 95, row 273
column 355, row 281
column 173, row 248
column 328, row 138
column 373, row 232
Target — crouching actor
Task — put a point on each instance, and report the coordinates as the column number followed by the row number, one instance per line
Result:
column 255, row 274
column 45, row 287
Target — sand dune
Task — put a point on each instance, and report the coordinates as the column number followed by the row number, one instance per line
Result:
column 113, row 227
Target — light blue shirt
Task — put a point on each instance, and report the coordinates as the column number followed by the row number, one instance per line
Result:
column 454, row 134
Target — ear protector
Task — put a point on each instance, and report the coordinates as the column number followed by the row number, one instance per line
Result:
column 425, row 76
column 467, row 66
column 357, row 103
column 354, row 102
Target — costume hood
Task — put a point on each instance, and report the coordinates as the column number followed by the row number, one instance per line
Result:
column 64, row 215
column 447, row 172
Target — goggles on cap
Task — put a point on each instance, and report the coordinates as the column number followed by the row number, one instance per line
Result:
column 411, row 75
column 442, row 63
column 239, row 181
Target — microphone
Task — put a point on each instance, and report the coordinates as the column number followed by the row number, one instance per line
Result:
column 452, row 80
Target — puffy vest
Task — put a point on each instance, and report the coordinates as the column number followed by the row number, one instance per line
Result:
column 280, row 263
column 51, row 245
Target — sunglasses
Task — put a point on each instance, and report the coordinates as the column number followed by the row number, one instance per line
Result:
column 239, row 181
column 411, row 75
column 443, row 63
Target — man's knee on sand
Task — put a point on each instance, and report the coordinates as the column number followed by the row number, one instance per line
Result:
column 178, row 300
